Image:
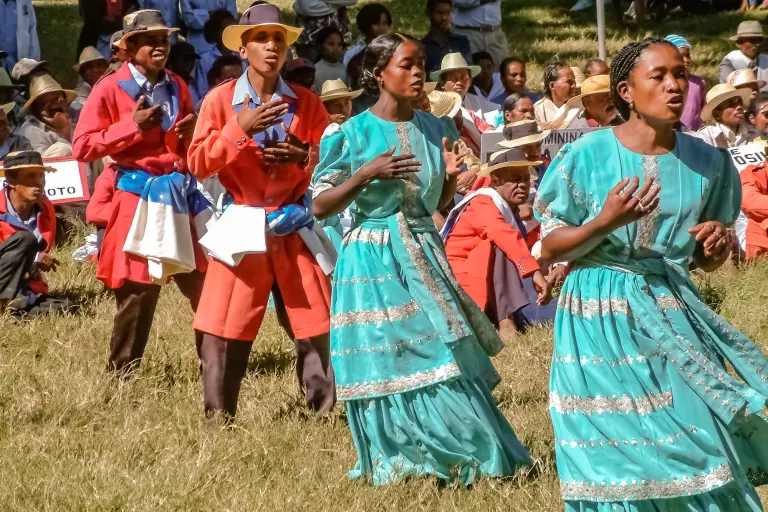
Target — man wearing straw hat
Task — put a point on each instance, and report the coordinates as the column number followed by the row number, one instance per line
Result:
column 261, row 136
column 48, row 125
column 141, row 116
column 724, row 115
column 595, row 101
column 10, row 142
column 337, row 99
column 749, row 39
column 455, row 75
column 91, row 66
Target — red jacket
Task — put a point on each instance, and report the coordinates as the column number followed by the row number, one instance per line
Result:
column 46, row 225
column 754, row 204
column 470, row 247
column 100, row 204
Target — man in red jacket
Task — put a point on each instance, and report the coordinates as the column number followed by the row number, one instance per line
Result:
column 754, row 204
column 142, row 117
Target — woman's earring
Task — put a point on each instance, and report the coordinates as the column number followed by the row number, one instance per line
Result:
column 632, row 105
column 381, row 84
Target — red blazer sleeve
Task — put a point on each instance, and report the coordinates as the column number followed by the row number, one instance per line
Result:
column 485, row 216
column 101, row 131
column 218, row 140
column 754, row 202
column 99, row 208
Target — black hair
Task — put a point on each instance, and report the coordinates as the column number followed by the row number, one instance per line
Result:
column 623, row 63
column 511, row 101
column 432, row 5
column 325, row 33
column 12, row 176
column 551, row 73
column 506, row 62
column 369, row 15
column 481, row 55
column 377, row 56
column 593, row 61
column 214, row 27
column 219, row 64
column 757, row 102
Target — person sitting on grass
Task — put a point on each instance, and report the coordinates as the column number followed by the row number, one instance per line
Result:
column 455, row 75
column 749, row 39
column 516, row 108
column 48, row 124
column 485, row 242
column 559, row 86
column 513, row 77
column 595, row 101
column 91, row 66
column 10, row 142
column 595, row 67
column 27, row 235
column 724, row 112
column 337, row 99
column 751, row 229
column 329, row 65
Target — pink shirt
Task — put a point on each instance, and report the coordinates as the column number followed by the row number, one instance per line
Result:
column 697, row 90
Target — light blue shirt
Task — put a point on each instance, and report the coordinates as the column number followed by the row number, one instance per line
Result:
column 168, row 8
column 282, row 90
column 471, row 13
column 160, row 94
column 195, row 13
column 8, row 32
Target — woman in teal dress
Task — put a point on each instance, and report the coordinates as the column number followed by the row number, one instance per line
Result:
column 409, row 348
column 646, row 417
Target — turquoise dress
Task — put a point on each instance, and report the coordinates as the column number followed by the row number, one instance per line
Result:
column 409, row 348
column 646, row 417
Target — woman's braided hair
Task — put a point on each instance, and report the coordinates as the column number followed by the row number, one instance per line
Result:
column 622, row 64
column 551, row 74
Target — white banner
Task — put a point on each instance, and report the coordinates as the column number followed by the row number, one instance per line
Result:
column 68, row 184
column 549, row 147
column 746, row 155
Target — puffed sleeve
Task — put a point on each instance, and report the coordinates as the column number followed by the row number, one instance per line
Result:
column 723, row 202
column 560, row 200
column 335, row 166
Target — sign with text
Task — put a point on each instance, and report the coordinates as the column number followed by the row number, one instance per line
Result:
column 68, row 184
column 549, row 147
column 746, row 155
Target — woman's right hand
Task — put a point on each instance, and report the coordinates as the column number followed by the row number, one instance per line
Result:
column 626, row 204
column 389, row 167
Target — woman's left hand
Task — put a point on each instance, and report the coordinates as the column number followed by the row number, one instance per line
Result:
column 454, row 157
column 715, row 239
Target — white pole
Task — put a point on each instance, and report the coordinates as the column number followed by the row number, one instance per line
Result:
column 601, row 28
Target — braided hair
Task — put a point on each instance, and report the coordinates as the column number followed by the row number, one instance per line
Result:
column 378, row 55
column 551, row 74
column 622, row 65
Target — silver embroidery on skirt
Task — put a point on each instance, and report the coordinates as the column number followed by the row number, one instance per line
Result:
column 589, row 308
column 603, row 442
column 399, row 384
column 616, row 404
column 646, row 227
column 367, row 236
column 375, row 316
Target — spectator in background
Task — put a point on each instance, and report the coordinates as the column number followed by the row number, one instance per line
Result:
column 226, row 67
column 18, row 32
column 337, row 99
column 579, row 77
column 725, row 113
column 101, row 19
column 455, row 75
column 8, row 94
column 329, row 65
column 170, row 11
column 373, row 20
column 183, row 61
column 754, row 186
column 196, row 13
column 91, row 66
column 119, row 53
column 595, row 100
column 316, row 15
column 301, row 71
column 745, row 79
column 697, row 87
column 749, row 39
column 517, row 108
column 757, row 115
column 559, row 86
column 48, row 125
column 487, row 83
column 212, row 32
column 513, row 78
column 441, row 40
column 596, row 66
column 8, row 141
column 480, row 22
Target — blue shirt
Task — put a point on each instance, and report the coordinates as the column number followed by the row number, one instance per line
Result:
column 534, row 97
column 196, row 12
column 168, row 8
column 282, row 90
column 471, row 13
column 437, row 48
column 8, row 32
column 161, row 94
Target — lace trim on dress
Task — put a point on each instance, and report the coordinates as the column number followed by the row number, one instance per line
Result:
column 399, row 384
column 625, row 404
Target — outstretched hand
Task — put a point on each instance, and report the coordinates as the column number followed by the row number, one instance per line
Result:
column 714, row 237
column 454, row 157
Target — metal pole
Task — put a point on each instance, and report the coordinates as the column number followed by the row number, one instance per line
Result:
column 601, row 28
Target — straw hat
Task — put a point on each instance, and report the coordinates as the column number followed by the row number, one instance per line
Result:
column 337, row 89
column 20, row 160
column 523, row 133
column 745, row 78
column 719, row 94
column 89, row 54
column 429, row 87
column 507, row 158
column 148, row 20
column 452, row 62
column 444, row 104
column 7, row 107
column 748, row 29
column 598, row 84
column 261, row 15
column 28, row 67
column 42, row 84
column 578, row 74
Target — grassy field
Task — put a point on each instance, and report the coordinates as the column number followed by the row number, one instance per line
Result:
column 72, row 438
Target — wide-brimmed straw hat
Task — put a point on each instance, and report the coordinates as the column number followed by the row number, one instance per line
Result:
column 453, row 62
column 43, row 84
column 745, row 78
column 336, row 90
column 748, row 30
column 147, row 20
column 21, row 160
column 719, row 94
column 508, row 158
column 7, row 107
column 523, row 133
column 444, row 104
column 429, row 87
column 598, row 84
column 262, row 15
column 578, row 75
column 89, row 54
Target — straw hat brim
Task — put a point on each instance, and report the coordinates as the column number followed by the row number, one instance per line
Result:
column 77, row 67
column 448, row 108
column 757, row 83
column 746, row 36
column 7, row 107
column 524, row 141
column 71, row 96
column 576, row 102
column 338, row 95
column 435, row 76
column 706, row 112
column 155, row 28
column 429, row 87
column 487, row 170
column 29, row 166
column 233, row 34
